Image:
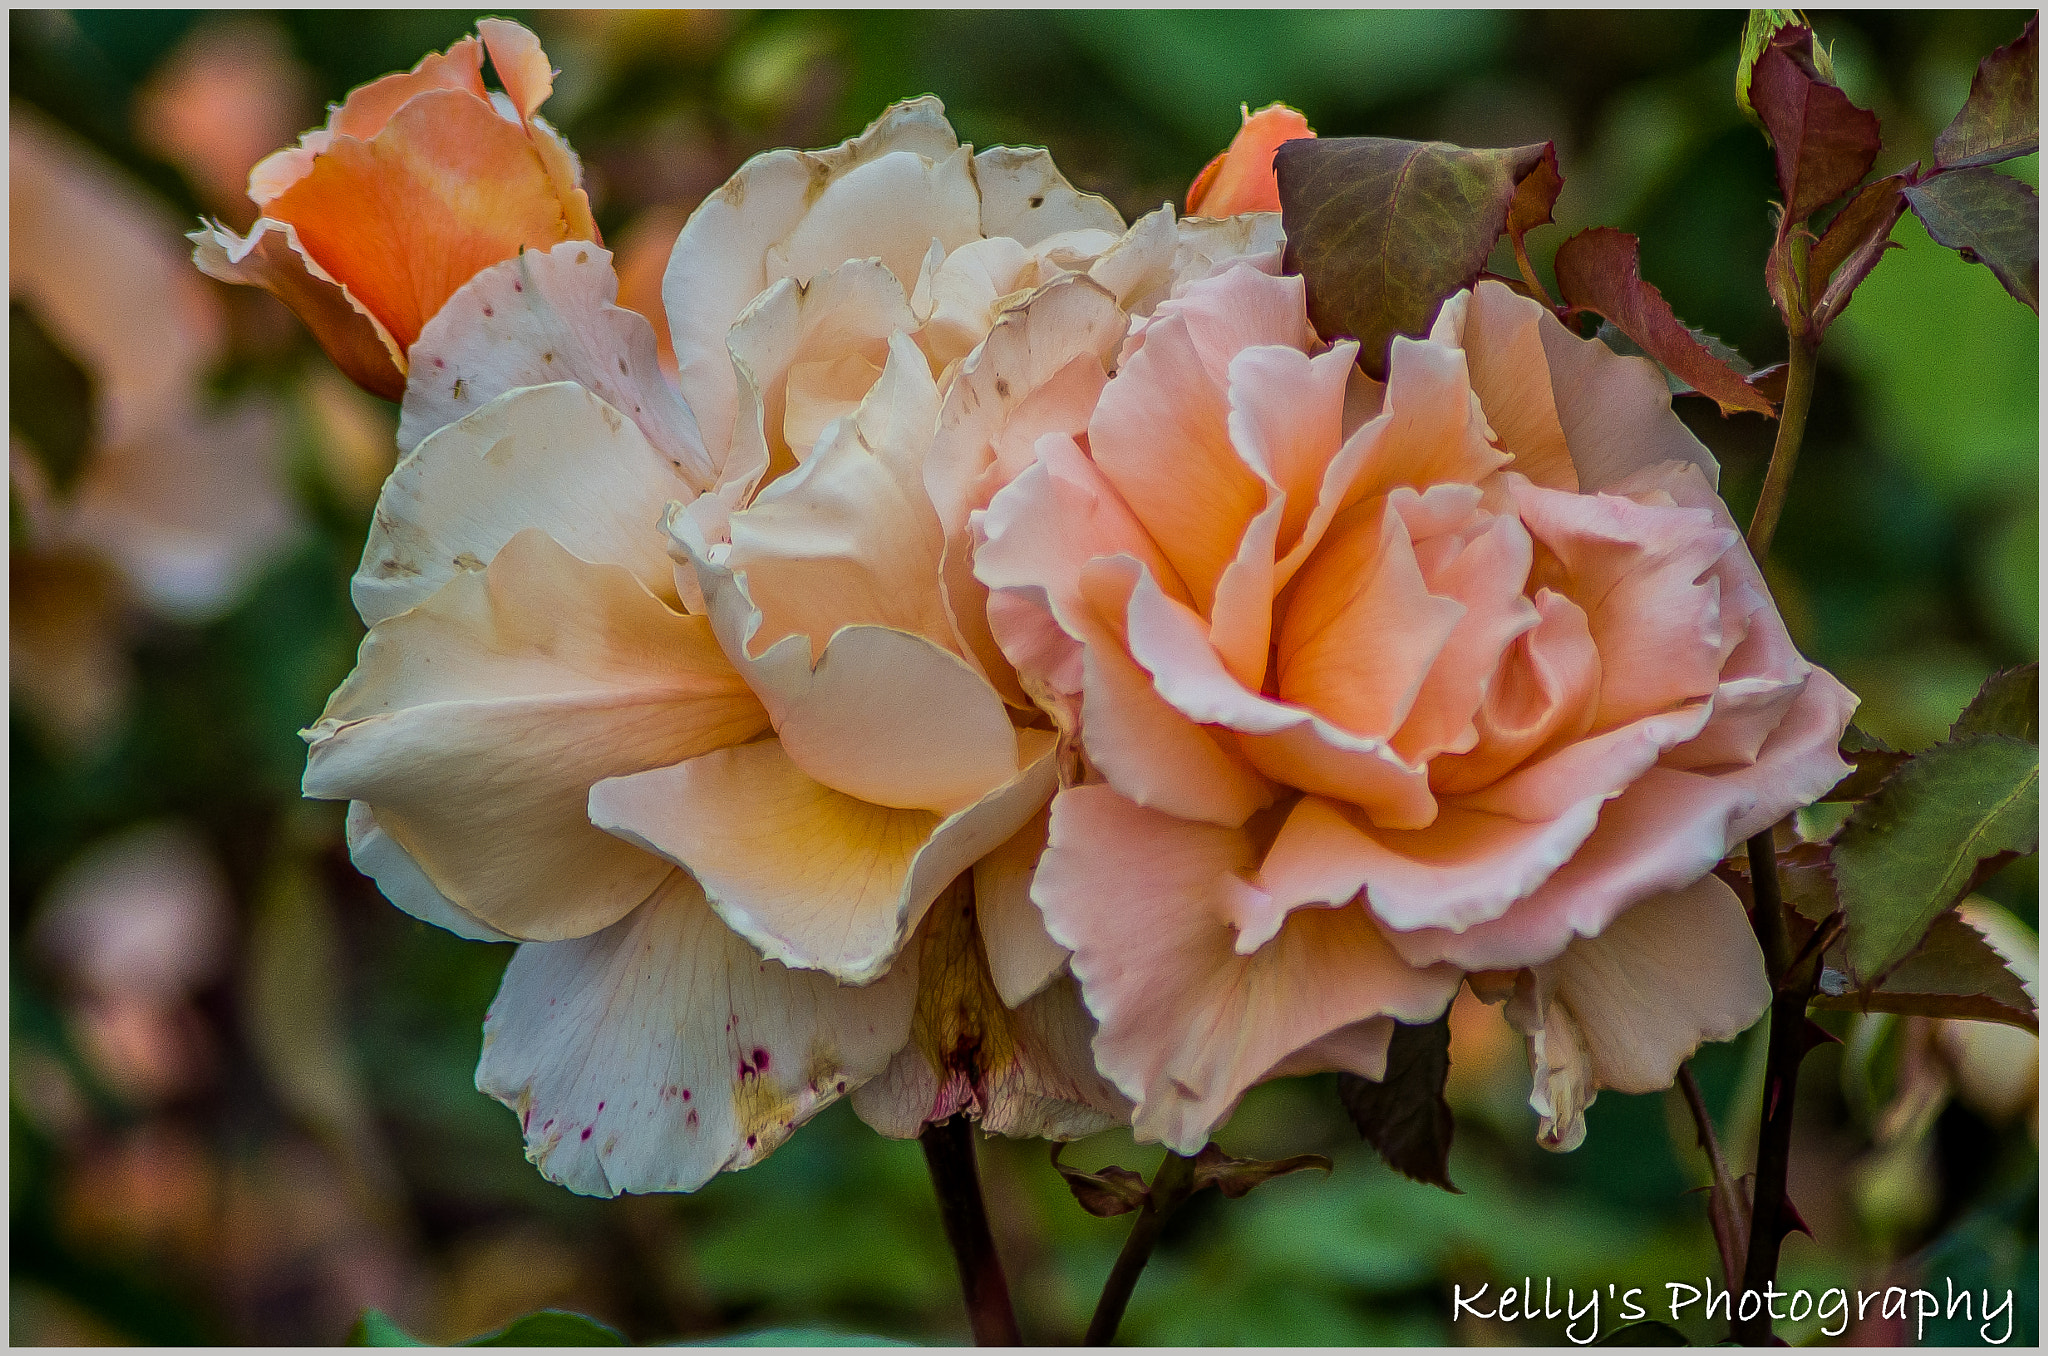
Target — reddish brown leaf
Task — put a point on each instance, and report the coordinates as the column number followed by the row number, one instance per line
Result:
column 1851, row 246
column 1404, row 1115
column 2002, row 116
column 1824, row 143
column 1236, row 1176
column 1531, row 206
column 1600, row 271
column 1383, row 230
column 1113, row 1191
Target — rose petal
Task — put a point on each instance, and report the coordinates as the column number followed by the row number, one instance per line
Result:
column 850, row 537
column 1616, row 412
column 446, row 188
column 378, row 856
column 553, row 457
column 1025, row 197
column 476, row 723
column 1022, row 957
column 1025, row 1071
column 1187, row 1024
column 661, row 1051
column 544, row 317
column 1500, row 333
column 811, row 876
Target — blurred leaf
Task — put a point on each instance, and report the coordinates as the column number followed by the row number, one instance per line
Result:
column 1234, row 1177
column 1950, row 371
column 1989, row 218
column 551, row 1328
column 1599, row 271
column 1648, row 1333
column 2008, row 704
column 375, row 1329
column 1404, row 1115
column 1954, row 972
column 1824, row 143
column 1854, row 241
column 1909, row 852
column 294, row 1015
column 1110, row 1192
column 1383, row 230
column 49, row 398
column 797, row 1337
column 2002, row 117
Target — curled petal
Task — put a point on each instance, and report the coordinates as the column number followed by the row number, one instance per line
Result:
column 553, row 457
column 543, row 317
column 445, row 188
column 476, row 723
column 272, row 258
column 378, row 856
column 1026, row 198
column 722, row 259
column 1187, row 1023
column 813, row 877
column 1622, row 1010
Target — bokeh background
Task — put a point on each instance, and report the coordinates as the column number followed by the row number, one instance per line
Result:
column 241, row 1105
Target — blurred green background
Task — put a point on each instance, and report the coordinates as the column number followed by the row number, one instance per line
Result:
column 241, row 1102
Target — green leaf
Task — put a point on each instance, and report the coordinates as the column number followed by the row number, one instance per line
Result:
column 2008, row 704
column 49, row 398
column 1648, row 1333
column 375, row 1329
column 1908, row 853
column 2002, row 117
column 1383, row 230
column 1989, row 218
column 1600, row 271
column 551, row 1328
column 1404, row 1115
column 1954, row 972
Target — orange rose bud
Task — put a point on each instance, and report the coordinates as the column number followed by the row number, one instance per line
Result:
column 1241, row 179
column 419, row 181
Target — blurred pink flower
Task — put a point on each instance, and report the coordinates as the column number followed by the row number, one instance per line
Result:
column 180, row 501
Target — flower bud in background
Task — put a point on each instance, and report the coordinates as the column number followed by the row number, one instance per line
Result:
column 415, row 184
column 1241, row 179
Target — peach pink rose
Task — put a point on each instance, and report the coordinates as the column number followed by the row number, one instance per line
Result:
column 1381, row 687
column 692, row 693
column 416, row 182
column 1241, row 177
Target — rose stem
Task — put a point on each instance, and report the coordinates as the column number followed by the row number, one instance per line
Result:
column 1728, row 1236
column 949, row 1153
column 1790, row 992
column 1172, row 1184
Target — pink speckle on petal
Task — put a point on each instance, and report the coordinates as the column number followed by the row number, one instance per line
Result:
column 586, row 1132
column 760, row 1060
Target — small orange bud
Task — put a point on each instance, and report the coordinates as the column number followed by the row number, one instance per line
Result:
column 1241, row 179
